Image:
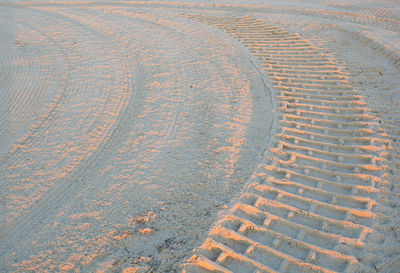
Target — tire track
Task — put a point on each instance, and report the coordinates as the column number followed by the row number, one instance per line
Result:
column 313, row 206
column 384, row 12
column 93, row 128
column 376, row 17
column 29, row 80
column 105, row 175
column 371, row 78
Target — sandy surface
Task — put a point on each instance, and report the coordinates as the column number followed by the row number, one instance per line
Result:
column 225, row 136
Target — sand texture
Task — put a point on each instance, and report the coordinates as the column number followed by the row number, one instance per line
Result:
column 200, row 136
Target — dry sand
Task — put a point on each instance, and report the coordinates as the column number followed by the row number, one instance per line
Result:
column 204, row 136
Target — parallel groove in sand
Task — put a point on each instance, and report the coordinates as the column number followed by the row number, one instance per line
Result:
column 32, row 73
column 313, row 207
column 107, row 113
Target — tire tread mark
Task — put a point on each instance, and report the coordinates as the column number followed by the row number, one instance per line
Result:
column 313, row 204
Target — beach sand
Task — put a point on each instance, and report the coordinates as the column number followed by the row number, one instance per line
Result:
column 199, row 136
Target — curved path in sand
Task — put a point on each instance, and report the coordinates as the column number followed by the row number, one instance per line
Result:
column 140, row 137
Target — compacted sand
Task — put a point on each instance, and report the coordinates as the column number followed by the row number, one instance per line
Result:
column 203, row 136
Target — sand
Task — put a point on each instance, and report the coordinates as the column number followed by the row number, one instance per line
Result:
column 203, row 136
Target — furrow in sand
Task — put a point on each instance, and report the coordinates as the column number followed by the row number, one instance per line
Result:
column 321, row 102
column 26, row 77
column 312, row 207
column 315, row 179
column 322, row 108
column 315, row 140
column 89, row 130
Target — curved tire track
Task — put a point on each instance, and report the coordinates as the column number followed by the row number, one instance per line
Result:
column 44, row 196
column 42, row 214
column 313, row 204
column 313, row 207
column 379, row 18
